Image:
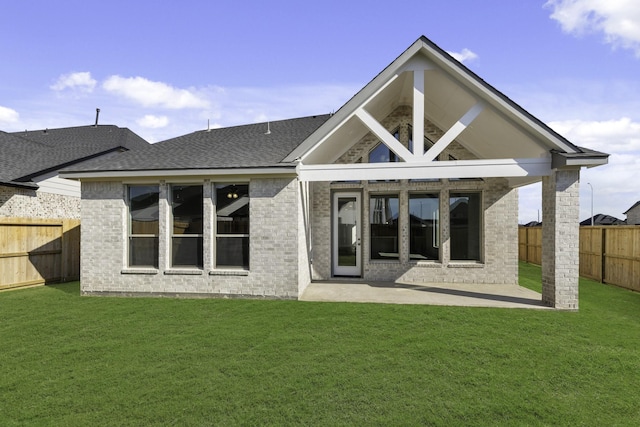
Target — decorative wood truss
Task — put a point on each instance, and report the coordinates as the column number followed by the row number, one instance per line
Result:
column 417, row 164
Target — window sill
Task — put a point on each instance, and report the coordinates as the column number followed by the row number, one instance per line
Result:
column 427, row 264
column 184, row 271
column 139, row 270
column 384, row 261
column 465, row 264
column 229, row 272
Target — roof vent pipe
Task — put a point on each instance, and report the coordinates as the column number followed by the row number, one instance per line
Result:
column 268, row 132
column 97, row 115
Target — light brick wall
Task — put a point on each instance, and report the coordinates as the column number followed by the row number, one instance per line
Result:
column 633, row 216
column 499, row 242
column 560, row 239
column 25, row 203
column 274, row 244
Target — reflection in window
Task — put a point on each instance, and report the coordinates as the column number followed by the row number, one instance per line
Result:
column 143, row 225
column 383, row 220
column 465, row 223
column 382, row 154
column 424, row 221
column 232, row 226
column 186, row 231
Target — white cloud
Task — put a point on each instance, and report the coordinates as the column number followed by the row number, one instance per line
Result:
column 614, row 185
column 614, row 136
column 464, row 56
column 153, row 122
column 617, row 20
column 153, row 94
column 82, row 82
column 8, row 115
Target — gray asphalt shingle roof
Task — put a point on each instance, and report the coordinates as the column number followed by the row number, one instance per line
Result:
column 24, row 155
column 246, row 146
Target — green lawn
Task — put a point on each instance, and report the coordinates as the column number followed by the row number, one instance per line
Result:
column 71, row 360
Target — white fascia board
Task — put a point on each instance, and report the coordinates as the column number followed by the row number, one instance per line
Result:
column 178, row 173
column 494, row 168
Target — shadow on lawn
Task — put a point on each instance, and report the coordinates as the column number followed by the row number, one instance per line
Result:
column 71, row 288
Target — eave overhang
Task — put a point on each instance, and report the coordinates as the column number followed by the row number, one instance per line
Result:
column 587, row 159
column 25, row 185
column 285, row 170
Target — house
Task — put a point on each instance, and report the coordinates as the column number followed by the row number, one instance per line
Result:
column 414, row 179
column 602, row 219
column 29, row 163
column 633, row 214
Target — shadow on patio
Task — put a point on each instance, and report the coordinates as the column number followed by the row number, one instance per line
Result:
column 450, row 294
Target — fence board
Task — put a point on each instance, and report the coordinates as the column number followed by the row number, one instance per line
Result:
column 609, row 254
column 37, row 251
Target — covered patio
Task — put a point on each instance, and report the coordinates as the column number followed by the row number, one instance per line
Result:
column 448, row 294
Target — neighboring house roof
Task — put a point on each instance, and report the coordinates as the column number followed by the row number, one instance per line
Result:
column 602, row 219
column 27, row 154
column 260, row 145
column 635, row 205
column 533, row 224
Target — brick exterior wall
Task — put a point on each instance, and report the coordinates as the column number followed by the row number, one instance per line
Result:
column 499, row 233
column 290, row 234
column 560, row 239
column 25, row 203
column 274, row 243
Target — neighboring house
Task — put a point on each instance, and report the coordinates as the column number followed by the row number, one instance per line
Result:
column 29, row 163
column 602, row 219
column 533, row 224
column 633, row 214
column 414, row 179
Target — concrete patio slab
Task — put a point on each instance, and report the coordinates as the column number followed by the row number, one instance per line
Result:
column 463, row 295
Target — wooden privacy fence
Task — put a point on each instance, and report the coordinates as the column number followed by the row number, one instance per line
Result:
column 38, row 251
column 609, row 254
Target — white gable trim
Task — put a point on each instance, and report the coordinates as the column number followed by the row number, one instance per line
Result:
column 424, row 55
column 494, row 168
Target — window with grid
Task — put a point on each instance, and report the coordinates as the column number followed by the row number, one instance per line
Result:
column 232, row 226
column 186, row 230
column 143, row 225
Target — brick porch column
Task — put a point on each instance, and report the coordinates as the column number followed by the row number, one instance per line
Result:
column 560, row 234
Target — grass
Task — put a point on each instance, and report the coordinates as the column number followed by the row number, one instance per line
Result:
column 71, row 360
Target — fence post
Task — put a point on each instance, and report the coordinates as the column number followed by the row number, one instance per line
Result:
column 603, row 260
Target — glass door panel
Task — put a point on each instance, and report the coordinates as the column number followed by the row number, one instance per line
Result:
column 346, row 234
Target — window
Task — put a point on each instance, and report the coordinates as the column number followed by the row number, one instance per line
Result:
column 186, row 233
column 383, row 154
column 143, row 225
column 427, row 143
column 464, row 217
column 232, row 226
column 383, row 220
column 424, row 222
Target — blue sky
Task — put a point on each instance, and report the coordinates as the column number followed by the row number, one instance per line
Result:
column 164, row 69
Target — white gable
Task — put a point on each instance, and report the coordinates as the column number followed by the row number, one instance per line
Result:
column 507, row 140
